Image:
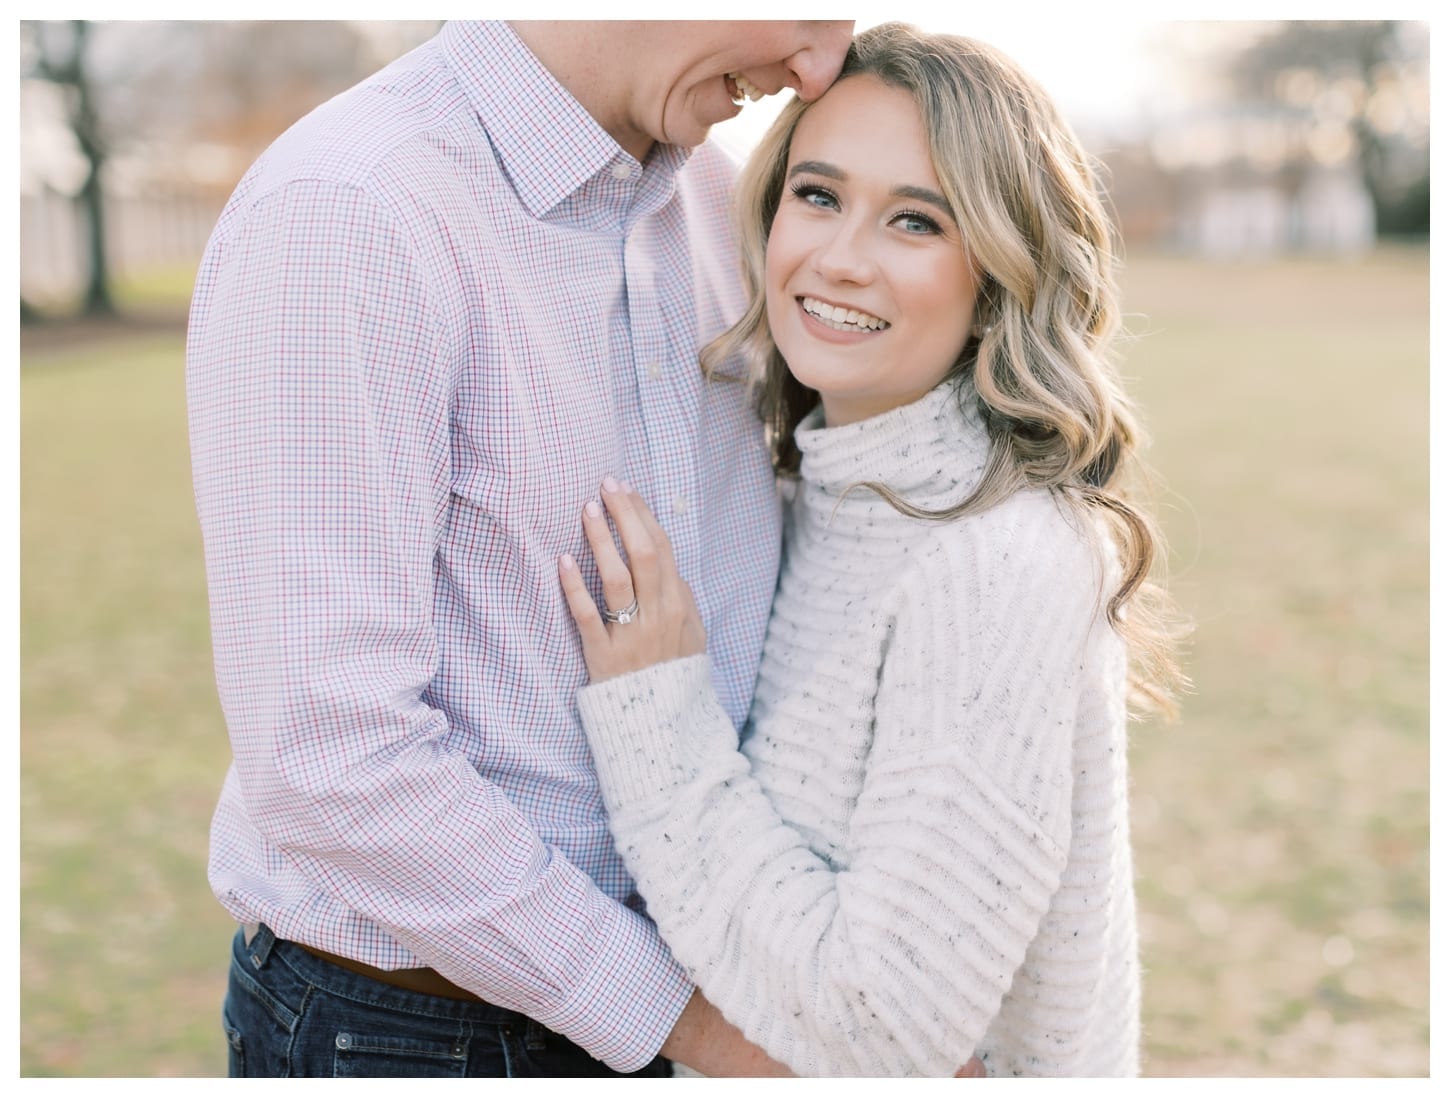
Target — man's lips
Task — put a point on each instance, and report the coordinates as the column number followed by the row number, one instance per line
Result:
column 741, row 89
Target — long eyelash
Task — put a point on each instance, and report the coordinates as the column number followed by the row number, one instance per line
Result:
column 919, row 216
column 801, row 190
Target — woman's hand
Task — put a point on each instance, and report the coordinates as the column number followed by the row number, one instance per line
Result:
column 667, row 625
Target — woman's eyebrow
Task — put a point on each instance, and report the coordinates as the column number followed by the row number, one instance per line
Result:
column 818, row 167
column 906, row 190
column 924, row 194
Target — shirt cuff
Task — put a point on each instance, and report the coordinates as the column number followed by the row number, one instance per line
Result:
column 628, row 1003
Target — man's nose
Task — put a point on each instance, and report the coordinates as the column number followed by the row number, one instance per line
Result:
column 815, row 68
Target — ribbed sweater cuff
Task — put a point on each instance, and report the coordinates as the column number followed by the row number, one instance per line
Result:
column 650, row 730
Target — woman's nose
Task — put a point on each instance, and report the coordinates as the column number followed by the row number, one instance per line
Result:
column 845, row 255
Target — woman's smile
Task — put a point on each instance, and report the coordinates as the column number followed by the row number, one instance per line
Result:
column 869, row 289
column 841, row 318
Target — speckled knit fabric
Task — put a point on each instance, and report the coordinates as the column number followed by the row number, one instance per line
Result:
column 921, row 849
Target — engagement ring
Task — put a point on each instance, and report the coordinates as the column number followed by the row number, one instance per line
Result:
column 625, row 616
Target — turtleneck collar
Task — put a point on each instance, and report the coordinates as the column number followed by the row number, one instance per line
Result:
column 921, row 451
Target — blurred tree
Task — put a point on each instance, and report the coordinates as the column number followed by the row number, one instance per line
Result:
column 142, row 97
column 238, row 85
column 1359, row 88
column 58, row 52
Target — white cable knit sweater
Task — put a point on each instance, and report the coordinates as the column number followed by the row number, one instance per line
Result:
column 921, row 849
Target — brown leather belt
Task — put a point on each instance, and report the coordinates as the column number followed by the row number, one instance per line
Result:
column 425, row 981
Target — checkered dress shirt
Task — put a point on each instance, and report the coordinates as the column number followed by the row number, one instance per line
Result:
column 433, row 316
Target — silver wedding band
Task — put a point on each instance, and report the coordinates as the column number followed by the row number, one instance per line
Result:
column 625, row 616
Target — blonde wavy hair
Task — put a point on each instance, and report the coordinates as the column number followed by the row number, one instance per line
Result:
column 1037, row 364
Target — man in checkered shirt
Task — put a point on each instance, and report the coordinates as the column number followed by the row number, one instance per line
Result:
column 435, row 314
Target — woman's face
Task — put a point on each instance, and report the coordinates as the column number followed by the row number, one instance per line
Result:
column 868, row 288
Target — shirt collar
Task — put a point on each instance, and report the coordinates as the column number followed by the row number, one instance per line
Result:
column 548, row 144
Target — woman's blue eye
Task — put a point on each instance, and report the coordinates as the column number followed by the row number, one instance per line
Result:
column 814, row 195
column 917, row 223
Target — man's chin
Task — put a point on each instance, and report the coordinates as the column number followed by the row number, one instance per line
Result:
column 695, row 135
column 696, row 128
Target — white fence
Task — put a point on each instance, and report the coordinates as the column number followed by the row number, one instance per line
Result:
column 142, row 231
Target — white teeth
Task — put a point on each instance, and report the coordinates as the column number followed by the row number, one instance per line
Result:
column 745, row 88
column 842, row 319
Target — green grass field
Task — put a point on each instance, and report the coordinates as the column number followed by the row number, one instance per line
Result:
column 1282, row 827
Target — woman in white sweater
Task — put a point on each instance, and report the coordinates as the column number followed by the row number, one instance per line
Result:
column 919, row 849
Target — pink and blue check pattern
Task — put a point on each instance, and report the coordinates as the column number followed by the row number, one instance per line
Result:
column 434, row 315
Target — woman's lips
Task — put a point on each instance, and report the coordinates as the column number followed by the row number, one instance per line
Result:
column 840, row 320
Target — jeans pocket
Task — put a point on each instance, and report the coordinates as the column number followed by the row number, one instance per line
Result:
column 374, row 1056
column 258, row 1025
column 236, row 1055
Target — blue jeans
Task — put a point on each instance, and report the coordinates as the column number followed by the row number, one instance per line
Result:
column 288, row 1013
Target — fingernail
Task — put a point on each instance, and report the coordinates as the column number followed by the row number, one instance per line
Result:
column 610, row 484
column 592, row 509
column 566, row 562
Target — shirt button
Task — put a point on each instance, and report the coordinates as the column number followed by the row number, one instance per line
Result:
column 620, row 172
column 681, row 506
column 654, row 370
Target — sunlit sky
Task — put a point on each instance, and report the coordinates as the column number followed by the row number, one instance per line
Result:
column 1095, row 67
column 1097, row 72
column 1104, row 64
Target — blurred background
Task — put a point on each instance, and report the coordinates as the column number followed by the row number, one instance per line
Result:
column 1271, row 181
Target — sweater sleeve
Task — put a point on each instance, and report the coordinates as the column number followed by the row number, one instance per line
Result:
column 897, row 964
